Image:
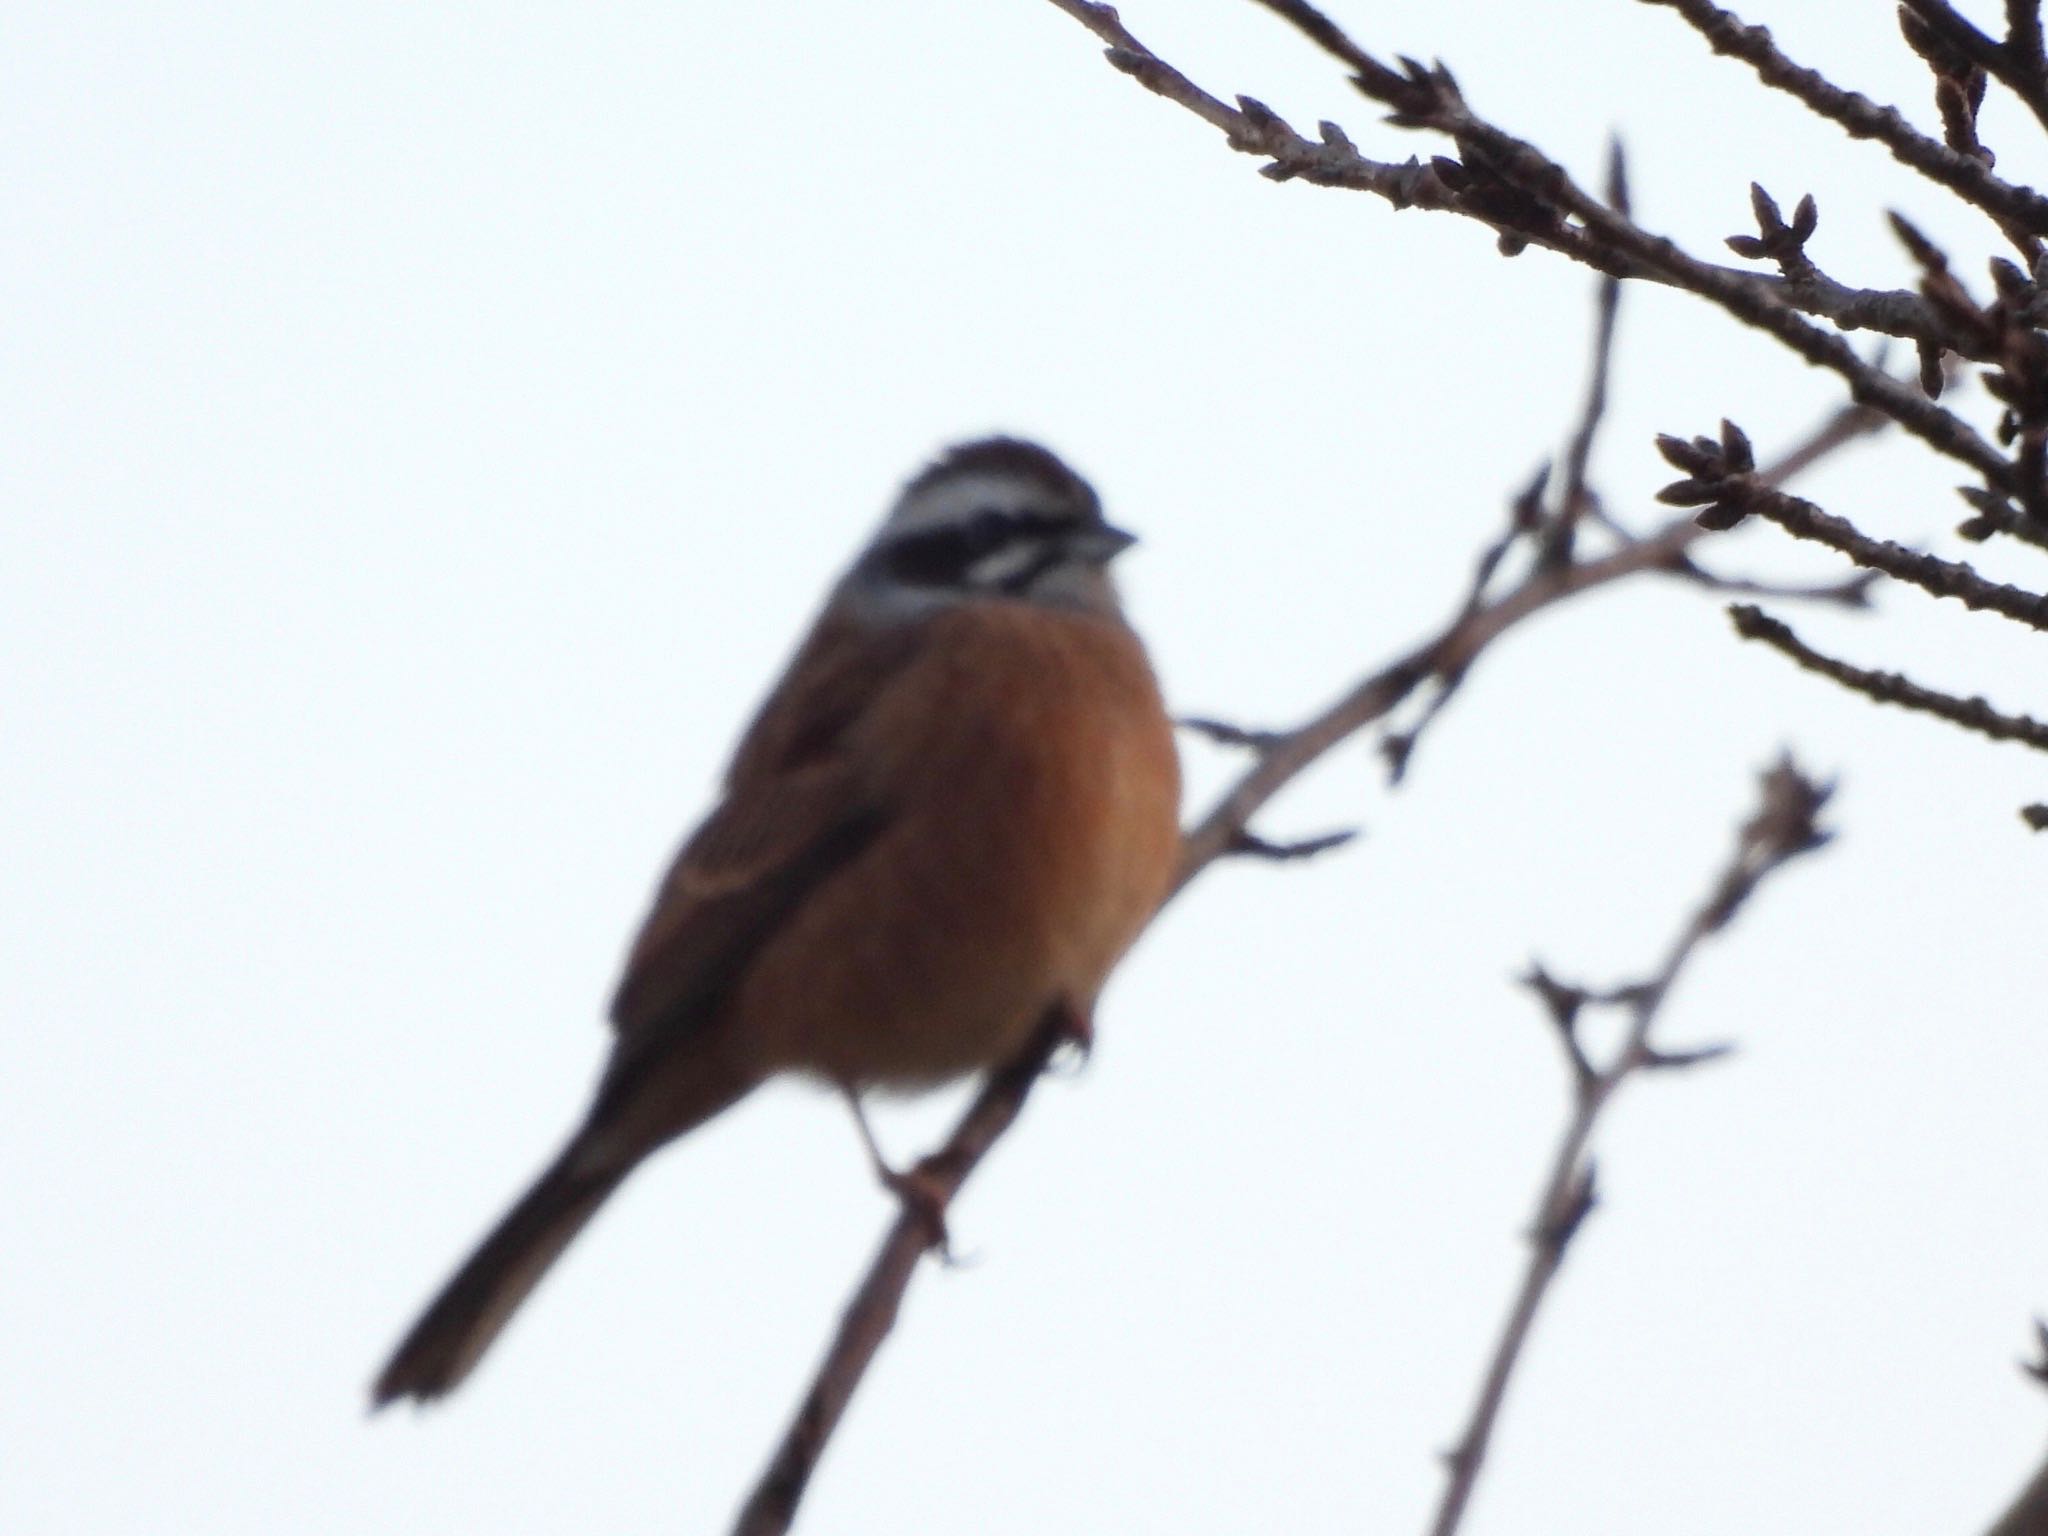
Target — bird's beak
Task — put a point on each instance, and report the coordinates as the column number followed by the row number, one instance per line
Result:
column 1100, row 544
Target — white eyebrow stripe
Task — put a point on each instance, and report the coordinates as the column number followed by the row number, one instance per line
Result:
column 955, row 499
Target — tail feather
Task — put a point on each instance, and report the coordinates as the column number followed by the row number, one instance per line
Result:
column 652, row 1093
column 460, row 1323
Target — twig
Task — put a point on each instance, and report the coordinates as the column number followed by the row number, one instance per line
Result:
column 1974, row 714
column 1224, row 734
column 2018, row 211
column 1434, row 102
column 1574, row 499
column 1782, row 828
column 1851, row 592
column 1446, row 185
column 1720, row 480
column 1528, row 199
column 2021, row 73
column 1844, row 427
column 1251, row 845
column 869, row 1317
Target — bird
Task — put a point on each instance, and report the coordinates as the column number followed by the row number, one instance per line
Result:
column 950, row 819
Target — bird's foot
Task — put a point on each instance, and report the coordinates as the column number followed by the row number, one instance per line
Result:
column 1076, row 1035
column 924, row 1191
column 925, row 1196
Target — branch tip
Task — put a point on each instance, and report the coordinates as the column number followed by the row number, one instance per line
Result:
column 1248, row 844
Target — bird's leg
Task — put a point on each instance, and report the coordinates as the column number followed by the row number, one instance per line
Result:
column 920, row 1193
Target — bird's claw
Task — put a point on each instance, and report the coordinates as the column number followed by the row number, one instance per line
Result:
column 925, row 1198
column 1076, row 1038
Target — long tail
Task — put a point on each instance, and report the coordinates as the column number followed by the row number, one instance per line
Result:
column 648, row 1097
column 460, row 1323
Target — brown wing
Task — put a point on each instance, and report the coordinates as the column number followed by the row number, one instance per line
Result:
column 796, row 808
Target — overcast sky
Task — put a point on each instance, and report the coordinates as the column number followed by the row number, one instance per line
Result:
column 426, row 430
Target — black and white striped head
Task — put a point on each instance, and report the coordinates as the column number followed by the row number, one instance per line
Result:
column 995, row 518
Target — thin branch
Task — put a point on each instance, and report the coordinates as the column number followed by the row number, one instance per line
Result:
column 1973, row 714
column 2023, row 75
column 1224, row 734
column 1720, row 481
column 1852, row 592
column 1334, row 161
column 1739, row 294
column 1931, row 574
column 2018, row 211
column 1841, row 428
column 1525, row 518
column 1574, row 499
column 1783, row 827
column 872, row 1313
column 1845, row 426
column 1513, row 188
column 1251, row 845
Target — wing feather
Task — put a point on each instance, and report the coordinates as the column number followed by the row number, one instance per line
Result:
column 797, row 807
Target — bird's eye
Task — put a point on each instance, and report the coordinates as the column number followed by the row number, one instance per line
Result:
column 987, row 530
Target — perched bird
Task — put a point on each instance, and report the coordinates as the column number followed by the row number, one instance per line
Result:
column 954, row 813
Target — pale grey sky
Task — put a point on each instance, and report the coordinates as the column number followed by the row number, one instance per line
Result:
column 426, row 429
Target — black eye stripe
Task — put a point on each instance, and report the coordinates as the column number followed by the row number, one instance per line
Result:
column 945, row 555
column 991, row 526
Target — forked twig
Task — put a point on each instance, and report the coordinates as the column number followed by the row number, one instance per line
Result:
column 1782, row 828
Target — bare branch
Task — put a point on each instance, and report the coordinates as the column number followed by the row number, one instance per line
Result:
column 2020, row 212
column 1251, row 845
column 1224, row 734
column 1973, row 714
column 1782, row 827
column 870, row 1316
column 1563, row 1002
column 1852, row 592
column 1730, row 491
column 1513, row 188
column 1741, row 295
column 1845, row 426
column 1574, row 500
column 2024, row 75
